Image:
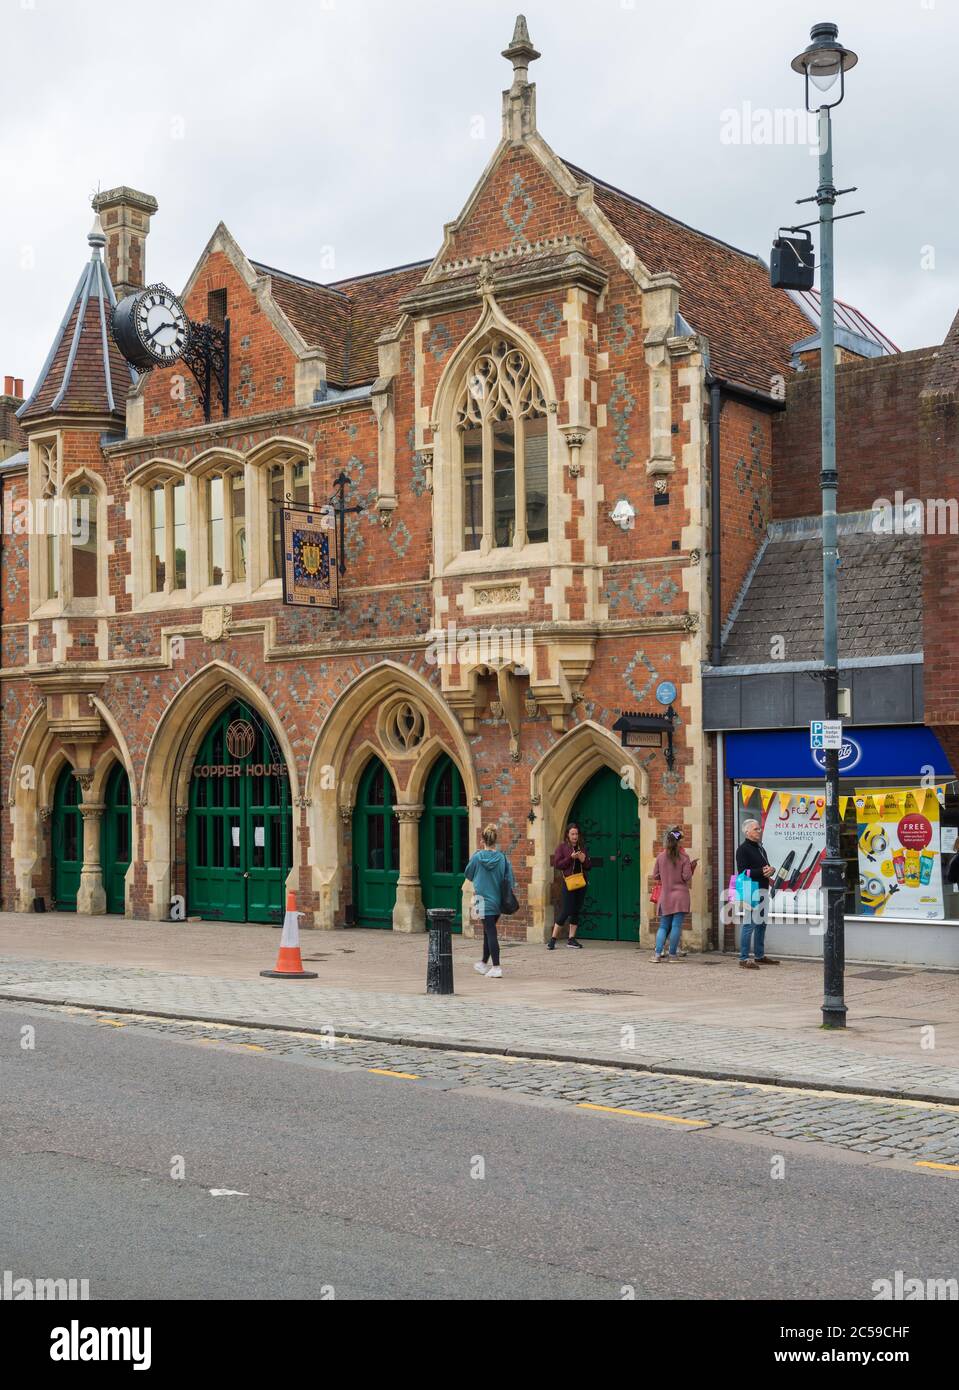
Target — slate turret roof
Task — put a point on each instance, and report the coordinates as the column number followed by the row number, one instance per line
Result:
column 85, row 373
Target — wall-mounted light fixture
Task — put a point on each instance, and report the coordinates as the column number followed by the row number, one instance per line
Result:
column 648, row 731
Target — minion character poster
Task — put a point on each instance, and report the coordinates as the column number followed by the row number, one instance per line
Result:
column 900, row 869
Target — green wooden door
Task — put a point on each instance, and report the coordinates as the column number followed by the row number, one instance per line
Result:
column 66, row 842
column 376, row 848
column 444, row 839
column 239, row 825
column 607, row 817
column 115, row 839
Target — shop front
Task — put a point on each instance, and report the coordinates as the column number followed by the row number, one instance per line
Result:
column 899, row 810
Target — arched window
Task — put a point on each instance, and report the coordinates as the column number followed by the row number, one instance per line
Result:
column 226, row 527
column 79, row 568
column 501, row 423
column 49, row 473
column 168, row 534
column 288, row 478
column 83, row 537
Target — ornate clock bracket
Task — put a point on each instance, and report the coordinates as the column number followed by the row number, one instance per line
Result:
column 207, row 354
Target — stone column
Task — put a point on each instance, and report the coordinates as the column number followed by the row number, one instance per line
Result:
column 409, row 914
column 91, row 895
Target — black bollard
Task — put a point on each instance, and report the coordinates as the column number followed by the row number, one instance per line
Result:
column 439, row 963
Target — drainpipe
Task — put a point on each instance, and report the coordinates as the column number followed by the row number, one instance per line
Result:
column 715, row 564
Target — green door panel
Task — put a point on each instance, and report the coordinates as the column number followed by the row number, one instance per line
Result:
column 444, row 839
column 376, row 848
column 116, row 838
column 66, row 842
column 240, row 826
column 607, row 817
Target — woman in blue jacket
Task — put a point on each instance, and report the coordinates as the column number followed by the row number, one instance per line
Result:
column 490, row 873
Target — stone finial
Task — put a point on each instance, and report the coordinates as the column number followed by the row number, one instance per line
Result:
column 97, row 237
column 520, row 53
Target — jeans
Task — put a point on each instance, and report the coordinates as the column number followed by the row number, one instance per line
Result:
column 490, row 940
column 671, row 925
column 753, row 930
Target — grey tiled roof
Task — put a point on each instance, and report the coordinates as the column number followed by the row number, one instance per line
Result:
column 879, row 608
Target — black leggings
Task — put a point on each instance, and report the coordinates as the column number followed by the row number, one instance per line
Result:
column 571, row 906
column 490, row 940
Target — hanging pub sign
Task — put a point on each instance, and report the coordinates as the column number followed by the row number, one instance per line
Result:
column 309, row 558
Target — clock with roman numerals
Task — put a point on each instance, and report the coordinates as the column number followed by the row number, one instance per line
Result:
column 151, row 328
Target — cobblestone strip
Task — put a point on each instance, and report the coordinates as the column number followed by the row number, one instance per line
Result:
column 882, row 1129
column 628, row 1040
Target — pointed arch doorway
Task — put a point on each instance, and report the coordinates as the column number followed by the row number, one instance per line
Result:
column 66, row 842
column 376, row 848
column 239, row 836
column 606, row 814
column 444, row 839
column 116, row 839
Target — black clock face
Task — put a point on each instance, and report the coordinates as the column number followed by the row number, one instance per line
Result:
column 151, row 327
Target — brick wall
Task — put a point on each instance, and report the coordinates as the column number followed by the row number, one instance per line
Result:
column 745, row 449
column 939, row 478
column 877, row 434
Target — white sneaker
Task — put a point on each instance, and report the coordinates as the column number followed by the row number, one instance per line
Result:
column 480, row 967
column 494, row 973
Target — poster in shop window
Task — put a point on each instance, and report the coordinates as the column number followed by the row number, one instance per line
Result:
column 794, row 838
column 900, row 862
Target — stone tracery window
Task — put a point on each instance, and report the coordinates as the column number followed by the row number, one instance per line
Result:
column 48, row 460
column 501, row 422
column 404, row 727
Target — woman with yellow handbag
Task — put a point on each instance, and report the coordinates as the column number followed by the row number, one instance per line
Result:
column 572, row 860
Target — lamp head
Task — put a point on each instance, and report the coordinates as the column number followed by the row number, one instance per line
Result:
column 825, row 59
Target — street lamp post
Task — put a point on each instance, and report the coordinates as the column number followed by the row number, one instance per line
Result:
column 823, row 63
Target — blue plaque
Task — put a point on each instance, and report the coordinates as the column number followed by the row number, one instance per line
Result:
column 665, row 692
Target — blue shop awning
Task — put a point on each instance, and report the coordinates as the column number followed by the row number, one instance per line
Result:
column 781, row 754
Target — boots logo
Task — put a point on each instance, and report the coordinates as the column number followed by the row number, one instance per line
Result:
column 240, row 738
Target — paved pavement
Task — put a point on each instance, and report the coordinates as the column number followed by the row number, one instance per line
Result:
column 461, row 1177
column 491, row 1016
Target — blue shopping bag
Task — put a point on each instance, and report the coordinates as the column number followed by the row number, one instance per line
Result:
column 747, row 889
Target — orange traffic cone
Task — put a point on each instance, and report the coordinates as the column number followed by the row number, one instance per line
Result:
column 289, row 963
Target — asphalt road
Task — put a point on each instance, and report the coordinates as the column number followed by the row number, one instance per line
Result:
column 360, row 1185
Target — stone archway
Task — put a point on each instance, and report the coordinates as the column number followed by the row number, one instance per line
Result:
column 168, row 766
column 37, row 765
column 335, row 765
column 556, row 781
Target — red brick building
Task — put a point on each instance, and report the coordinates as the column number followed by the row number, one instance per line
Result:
column 492, row 407
column 898, row 462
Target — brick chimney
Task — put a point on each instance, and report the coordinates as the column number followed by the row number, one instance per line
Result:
column 12, row 438
column 125, row 215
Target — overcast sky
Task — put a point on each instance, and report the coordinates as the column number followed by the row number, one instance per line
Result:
column 337, row 136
